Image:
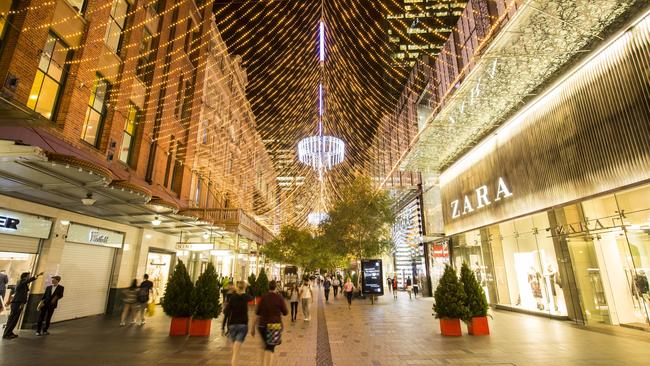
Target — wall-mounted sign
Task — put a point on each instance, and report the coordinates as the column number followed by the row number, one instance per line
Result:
column 194, row 246
column 372, row 275
column 83, row 234
column 481, row 197
column 16, row 223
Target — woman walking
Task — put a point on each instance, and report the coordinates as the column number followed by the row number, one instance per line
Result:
column 269, row 322
column 293, row 300
column 395, row 287
column 307, row 297
column 236, row 312
column 348, row 290
column 129, row 299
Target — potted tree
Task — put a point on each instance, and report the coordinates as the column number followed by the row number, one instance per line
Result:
column 251, row 290
column 205, row 302
column 476, row 302
column 262, row 285
column 177, row 301
column 450, row 303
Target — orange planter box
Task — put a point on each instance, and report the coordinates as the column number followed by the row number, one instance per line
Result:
column 179, row 326
column 450, row 327
column 200, row 327
column 478, row 326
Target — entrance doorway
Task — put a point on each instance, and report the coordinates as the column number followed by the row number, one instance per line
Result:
column 158, row 268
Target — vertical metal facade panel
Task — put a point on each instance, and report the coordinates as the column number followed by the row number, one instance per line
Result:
column 586, row 136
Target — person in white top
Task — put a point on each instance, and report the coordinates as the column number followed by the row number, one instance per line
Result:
column 294, row 297
column 336, row 283
column 307, row 298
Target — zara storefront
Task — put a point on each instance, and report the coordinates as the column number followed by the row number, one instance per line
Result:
column 552, row 211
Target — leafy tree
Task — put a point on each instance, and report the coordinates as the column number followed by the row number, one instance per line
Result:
column 205, row 295
column 262, row 283
column 359, row 223
column 475, row 299
column 177, row 301
column 450, row 297
column 252, row 285
column 294, row 245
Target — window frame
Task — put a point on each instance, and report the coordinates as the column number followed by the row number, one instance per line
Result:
column 102, row 113
column 45, row 74
column 112, row 21
column 129, row 155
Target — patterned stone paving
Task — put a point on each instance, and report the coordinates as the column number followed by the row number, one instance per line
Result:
column 391, row 332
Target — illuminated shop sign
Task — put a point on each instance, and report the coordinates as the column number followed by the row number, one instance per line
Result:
column 16, row 223
column 83, row 234
column 194, row 246
column 483, row 196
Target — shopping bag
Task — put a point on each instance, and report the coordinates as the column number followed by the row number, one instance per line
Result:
column 151, row 309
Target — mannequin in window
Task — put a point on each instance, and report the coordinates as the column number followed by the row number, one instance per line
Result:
column 553, row 278
column 534, row 279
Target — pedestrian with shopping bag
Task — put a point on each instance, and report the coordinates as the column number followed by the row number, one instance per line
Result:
column 269, row 322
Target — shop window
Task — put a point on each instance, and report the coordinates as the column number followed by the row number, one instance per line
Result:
column 94, row 121
column 49, row 78
column 197, row 192
column 130, row 127
column 116, row 23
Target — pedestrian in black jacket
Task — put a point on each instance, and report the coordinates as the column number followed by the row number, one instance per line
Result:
column 236, row 313
column 48, row 304
column 18, row 299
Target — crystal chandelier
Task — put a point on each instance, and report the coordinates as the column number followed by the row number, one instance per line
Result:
column 321, row 152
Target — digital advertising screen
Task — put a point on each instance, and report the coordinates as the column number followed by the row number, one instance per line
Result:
column 372, row 282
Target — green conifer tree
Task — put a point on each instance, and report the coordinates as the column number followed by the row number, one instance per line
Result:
column 205, row 295
column 262, row 283
column 177, row 301
column 475, row 299
column 450, row 297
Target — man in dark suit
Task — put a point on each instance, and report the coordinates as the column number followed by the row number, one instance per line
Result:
column 18, row 299
column 49, row 302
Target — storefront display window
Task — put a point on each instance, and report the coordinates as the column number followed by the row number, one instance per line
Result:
column 14, row 264
column 158, row 268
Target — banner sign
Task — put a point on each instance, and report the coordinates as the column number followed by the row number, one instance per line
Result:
column 372, row 274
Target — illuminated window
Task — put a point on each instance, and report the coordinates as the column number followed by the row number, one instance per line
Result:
column 93, row 124
column 130, row 125
column 116, row 23
column 5, row 6
column 78, row 5
column 49, row 77
column 144, row 69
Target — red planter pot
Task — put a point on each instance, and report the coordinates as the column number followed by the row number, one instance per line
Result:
column 200, row 327
column 478, row 326
column 258, row 299
column 450, row 327
column 179, row 326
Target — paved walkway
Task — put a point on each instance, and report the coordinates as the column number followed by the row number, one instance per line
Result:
column 391, row 332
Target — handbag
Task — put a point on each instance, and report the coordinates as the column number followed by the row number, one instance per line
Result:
column 273, row 334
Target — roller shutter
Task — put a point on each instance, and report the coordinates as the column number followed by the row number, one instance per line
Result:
column 19, row 244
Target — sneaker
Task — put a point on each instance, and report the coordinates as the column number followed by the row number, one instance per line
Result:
column 46, row 333
column 122, row 324
column 39, row 334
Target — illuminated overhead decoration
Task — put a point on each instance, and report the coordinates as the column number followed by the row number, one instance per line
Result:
column 315, row 218
column 321, row 152
column 529, row 49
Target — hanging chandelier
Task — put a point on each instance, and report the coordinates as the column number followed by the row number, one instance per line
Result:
column 321, row 152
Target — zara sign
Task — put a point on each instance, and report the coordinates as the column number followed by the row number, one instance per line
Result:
column 482, row 197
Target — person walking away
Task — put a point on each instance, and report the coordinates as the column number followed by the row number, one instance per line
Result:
column 307, row 297
column 145, row 290
column 230, row 290
column 409, row 286
column 389, row 281
column 335, row 284
column 18, row 299
column 293, row 300
column 129, row 299
column 48, row 304
column 269, row 322
column 348, row 290
column 236, row 311
column 416, row 287
column 327, row 284
column 394, row 287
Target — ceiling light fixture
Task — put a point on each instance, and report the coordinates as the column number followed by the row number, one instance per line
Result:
column 156, row 221
column 89, row 200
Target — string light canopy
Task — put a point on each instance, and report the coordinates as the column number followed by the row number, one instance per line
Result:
column 321, row 152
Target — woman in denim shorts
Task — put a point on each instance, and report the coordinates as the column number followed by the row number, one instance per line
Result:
column 236, row 311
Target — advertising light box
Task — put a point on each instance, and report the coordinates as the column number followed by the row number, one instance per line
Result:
column 372, row 275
